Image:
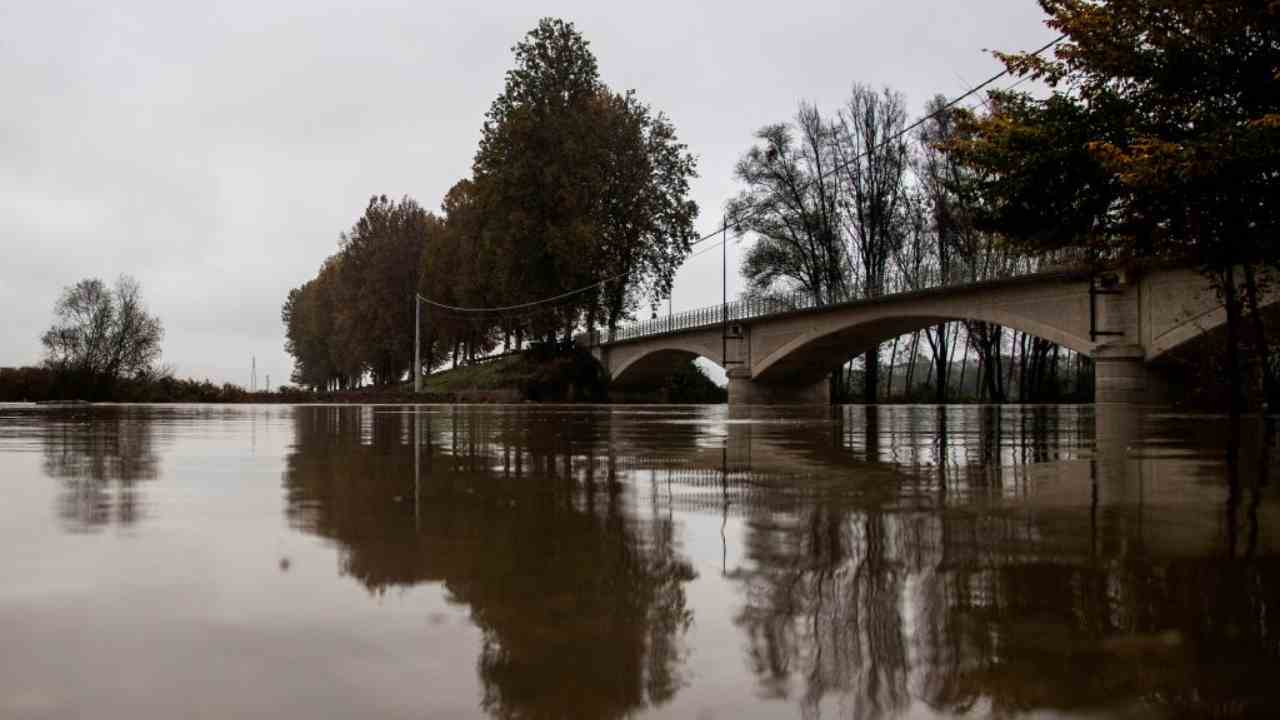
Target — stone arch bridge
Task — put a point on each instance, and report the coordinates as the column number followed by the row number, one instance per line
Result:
column 784, row 350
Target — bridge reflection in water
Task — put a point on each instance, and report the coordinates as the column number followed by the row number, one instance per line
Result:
column 874, row 561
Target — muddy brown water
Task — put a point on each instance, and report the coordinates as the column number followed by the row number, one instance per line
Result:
column 593, row 561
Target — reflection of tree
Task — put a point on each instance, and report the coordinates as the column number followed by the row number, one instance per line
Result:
column 100, row 456
column 579, row 594
column 878, row 600
column 825, row 605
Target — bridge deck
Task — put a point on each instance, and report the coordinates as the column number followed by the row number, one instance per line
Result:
column 799, row 303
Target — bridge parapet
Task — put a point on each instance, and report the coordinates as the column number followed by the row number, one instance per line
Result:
column 784, row 349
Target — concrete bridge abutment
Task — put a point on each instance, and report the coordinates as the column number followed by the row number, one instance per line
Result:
column 1122, row 375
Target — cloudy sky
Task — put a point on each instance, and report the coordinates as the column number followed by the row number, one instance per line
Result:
column 215, row 150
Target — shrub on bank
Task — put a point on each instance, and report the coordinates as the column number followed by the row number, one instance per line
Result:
column 563, row 371
column 26, row 384
column 42, row 384
column 689, row 384
column 549, row 372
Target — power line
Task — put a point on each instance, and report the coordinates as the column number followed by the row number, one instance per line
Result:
column 739, row 220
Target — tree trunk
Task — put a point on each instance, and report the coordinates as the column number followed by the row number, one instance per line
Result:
column 1053, row 375
column 893, row 359
column 911, row 362
column 1024, row 370
column 1270, row 383
column 991, row 373
column 1013, row 363
column 871, row 375
column 994, row 373
column 1235, row 383
column 942, row 362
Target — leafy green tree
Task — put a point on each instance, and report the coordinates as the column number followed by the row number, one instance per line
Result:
column 572, row 185
column 308, row 316
column 462, row 269
column 377, row 277
column 645, row 220
column 536, row 169
column 580, row 185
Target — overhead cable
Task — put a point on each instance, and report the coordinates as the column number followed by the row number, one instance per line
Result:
column 736, row 223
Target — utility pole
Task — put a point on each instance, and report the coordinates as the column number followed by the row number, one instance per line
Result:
column 724, row 294
column 417, row 343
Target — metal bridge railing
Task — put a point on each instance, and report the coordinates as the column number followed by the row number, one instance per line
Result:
column 756, row 307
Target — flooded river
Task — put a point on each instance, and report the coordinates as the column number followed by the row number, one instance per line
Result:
column 599, row 562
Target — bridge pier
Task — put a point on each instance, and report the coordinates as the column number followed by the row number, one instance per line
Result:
column 745, row 391
column 1121, row 375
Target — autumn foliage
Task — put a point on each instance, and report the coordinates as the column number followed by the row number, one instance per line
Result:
column 1159, row 139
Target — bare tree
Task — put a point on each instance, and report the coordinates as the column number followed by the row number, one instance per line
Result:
column 938, row 176
column 873, row 160
column 791, row 204
column 101, row 335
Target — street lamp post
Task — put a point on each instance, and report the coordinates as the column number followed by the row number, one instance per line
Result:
column 417, row 343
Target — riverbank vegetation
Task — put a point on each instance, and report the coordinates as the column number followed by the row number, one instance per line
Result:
column 561, row 374
column 104, row 346
column 543, row 372
column 909, row 375
column 45, row 384
column 1155, row 137
column 1159, row 139
column 1150, row 134
column 574, row 185
column 851, row 204
column 102, row 336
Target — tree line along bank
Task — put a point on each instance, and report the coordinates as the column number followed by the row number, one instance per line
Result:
column 1154, row 137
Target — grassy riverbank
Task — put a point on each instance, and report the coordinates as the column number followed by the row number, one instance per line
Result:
column 537, row 375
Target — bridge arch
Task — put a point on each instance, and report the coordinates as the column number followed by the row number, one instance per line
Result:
column 647, row 363
column 1192, row 329
column 1196, row 326
column 820, row 350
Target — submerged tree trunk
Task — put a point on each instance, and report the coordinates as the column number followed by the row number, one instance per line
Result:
column 942, row 362
column 893, row 360
column 1013, row 363
column 1262, row 349
column 1235, row 382
column 871, row 375
column 911, row 363
column 1053, row 375
column 990, row 361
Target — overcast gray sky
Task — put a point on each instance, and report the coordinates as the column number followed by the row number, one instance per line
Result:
column 215, row 150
